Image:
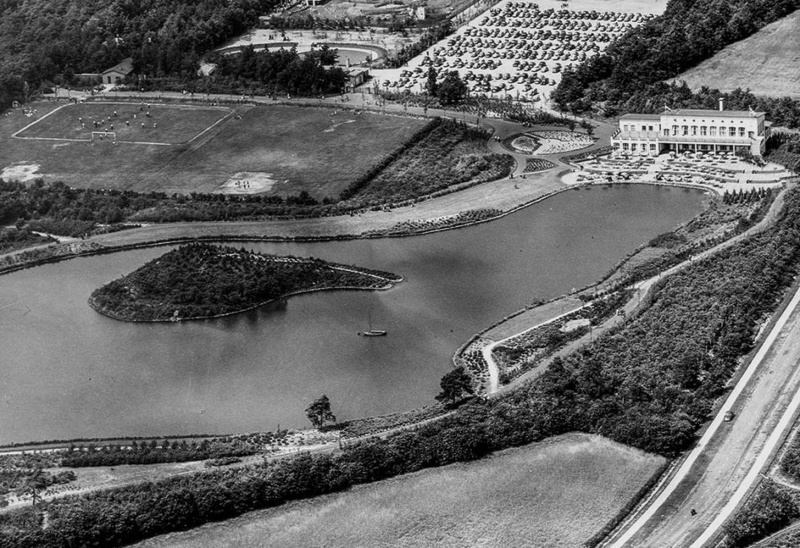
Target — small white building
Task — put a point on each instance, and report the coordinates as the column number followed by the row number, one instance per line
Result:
column 118, row 73
column 355, row 77
column 692, row 130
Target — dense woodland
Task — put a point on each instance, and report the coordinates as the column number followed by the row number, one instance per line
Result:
column 265, row 72
column 784, row 149
column 441, row 154
column 769, row 509
column 285, row 70
column 649, row 384
column 203, row 280
column 629, row 76
column 50, row 42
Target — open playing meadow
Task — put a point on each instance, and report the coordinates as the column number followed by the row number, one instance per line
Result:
column 271, row 149
column 556, row 493
column 766, row 62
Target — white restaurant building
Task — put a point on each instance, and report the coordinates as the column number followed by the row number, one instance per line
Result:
column 692, row 130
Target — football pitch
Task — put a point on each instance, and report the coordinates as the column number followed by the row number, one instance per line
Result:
column 137, row 123
column 182, row 148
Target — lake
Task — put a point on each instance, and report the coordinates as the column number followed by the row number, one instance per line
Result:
column 67, row 372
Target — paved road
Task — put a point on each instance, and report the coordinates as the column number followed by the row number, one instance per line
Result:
column 712, row 474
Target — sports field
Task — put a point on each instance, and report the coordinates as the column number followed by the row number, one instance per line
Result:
column 766, row 63
column 555, row 493
column 273, row 149
column 131, row 122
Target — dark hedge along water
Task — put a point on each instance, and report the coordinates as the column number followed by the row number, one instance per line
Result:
column 66, row 371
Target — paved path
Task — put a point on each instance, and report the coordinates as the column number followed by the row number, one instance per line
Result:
column 642, row 290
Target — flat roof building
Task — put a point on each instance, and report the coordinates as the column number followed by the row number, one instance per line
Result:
column 692, row 130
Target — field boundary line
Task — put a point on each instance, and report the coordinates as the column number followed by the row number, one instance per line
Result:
column 16, row 133
column 229, row 112
column 212, row 126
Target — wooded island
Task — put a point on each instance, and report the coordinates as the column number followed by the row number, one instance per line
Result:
column 198, row 281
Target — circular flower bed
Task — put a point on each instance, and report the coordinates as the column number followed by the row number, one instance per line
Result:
column 525, row 144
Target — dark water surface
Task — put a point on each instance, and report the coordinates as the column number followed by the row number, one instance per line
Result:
column 66, row 371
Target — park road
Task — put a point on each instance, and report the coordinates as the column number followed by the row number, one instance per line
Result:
column 732, row 449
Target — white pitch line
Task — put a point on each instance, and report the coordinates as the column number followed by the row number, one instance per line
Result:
column 36, row 122
column 209, row 128
column 712, row 429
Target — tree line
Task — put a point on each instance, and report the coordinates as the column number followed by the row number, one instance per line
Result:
column 784, row 149
column 631, row 75
column 45, row 43
column 156, row 452
column 650, row 384
column 262, row 72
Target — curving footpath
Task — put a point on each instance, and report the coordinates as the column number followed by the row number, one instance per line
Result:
column 642, row 288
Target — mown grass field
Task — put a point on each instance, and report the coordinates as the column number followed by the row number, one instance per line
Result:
column 555, row 493
column 296, row 148
column 132, row 122
column 766, row 62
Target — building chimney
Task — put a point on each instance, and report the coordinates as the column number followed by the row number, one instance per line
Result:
column 721, row 102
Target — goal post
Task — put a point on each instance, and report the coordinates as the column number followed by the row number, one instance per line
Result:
column 104, row 136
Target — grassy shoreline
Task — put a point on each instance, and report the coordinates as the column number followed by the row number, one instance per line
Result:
column 92, row 246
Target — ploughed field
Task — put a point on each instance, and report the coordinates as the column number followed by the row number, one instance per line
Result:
column 278, row 150
column 556, row 493
column 766, row 62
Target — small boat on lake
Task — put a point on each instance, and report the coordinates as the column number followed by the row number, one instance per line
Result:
column 372, row 332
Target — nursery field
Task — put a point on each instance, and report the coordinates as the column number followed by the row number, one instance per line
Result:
column 277, row 150
column 555, row 493
column 764, row 63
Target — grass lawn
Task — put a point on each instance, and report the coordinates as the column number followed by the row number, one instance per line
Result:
column 555, row 493
column 285, row 149
column 132, row 122
column 764, row 62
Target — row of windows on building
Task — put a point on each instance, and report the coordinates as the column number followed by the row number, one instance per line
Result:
column 643, row 147
column 703, row 131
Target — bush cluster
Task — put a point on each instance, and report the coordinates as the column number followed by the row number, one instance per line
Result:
column 784, row 149
column 449, row 153
column 769, row 509
column 12, row 239
column 155, row 452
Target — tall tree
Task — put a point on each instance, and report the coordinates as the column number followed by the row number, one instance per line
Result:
column 452, row 90
column 319, row 412
column 455, row 385
column 432, row 86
